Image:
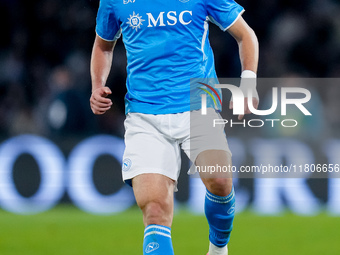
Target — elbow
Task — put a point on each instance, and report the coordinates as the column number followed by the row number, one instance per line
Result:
column 250, row 36
column 249, row 39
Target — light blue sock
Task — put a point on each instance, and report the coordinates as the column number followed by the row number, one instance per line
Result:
column 220, row 215
column 157, row 240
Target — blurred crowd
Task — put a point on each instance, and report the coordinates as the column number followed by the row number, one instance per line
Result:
column 46, row 47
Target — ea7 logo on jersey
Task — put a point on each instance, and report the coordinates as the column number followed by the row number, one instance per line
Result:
column 128, row 1
column 171, row 17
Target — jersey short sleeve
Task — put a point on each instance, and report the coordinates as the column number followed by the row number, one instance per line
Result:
column 108, row 27
column 223, row 13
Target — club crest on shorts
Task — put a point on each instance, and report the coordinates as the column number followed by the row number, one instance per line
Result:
column 126, row 164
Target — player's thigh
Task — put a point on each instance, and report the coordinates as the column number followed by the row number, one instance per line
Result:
column 204, row 136
column 147, row 149
column 216, row 171
column 220, row 160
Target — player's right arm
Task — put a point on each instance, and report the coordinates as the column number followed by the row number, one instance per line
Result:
column 101, row 62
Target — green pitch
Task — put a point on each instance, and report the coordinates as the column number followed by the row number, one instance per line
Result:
column 65, row 230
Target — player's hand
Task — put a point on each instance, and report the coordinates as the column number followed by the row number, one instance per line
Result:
column 99, row 101
column 246, row 107
column 248, row 87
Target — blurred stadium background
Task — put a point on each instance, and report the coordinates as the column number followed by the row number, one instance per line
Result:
column 60, row 181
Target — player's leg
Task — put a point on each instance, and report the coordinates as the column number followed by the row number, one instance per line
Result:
column 152, row 165
column 219, row 200
column 154, row 196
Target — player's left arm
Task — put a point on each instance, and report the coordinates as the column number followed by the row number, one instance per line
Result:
column 249, row 56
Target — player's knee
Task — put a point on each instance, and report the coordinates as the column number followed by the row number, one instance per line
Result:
column 220, row 186
column 157, row 212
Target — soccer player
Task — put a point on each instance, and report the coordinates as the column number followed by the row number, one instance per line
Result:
column 166, row 45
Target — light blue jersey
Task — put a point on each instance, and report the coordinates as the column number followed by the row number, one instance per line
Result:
column 167, row 44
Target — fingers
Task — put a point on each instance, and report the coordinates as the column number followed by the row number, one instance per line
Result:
column 246, row 109
column 99, row 108
column 106, row 91
column 231, row 106
column 101, row 99
column 255, row 102
column 98, row 101
column 99, row 111
column 101, row 94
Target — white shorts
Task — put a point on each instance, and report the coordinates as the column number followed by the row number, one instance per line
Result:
column 153, row 142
